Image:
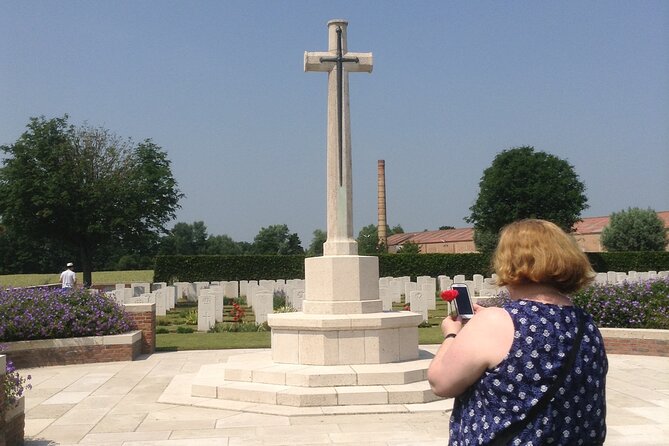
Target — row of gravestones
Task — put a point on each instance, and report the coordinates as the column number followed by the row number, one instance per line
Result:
column 419, row 295
column 259, row 296
column 613, row 277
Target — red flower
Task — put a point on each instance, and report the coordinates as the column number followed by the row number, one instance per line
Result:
column 407, row 308
column 449, row 295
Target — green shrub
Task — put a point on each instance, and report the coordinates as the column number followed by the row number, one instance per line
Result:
column 162, row 330
column 234, row 327
column 182, row 329
column 191, row 317
column 634, row 230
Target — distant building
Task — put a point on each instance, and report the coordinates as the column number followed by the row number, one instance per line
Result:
column 587, row 233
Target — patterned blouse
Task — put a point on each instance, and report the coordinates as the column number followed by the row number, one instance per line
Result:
column 543, row 337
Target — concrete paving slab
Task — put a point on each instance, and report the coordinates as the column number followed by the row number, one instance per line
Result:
column 148, row 402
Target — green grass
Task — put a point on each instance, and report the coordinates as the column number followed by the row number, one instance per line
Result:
column 179, row 316
column 99, row 278
column 211, row 341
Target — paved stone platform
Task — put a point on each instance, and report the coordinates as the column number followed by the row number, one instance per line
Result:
column 148, row 402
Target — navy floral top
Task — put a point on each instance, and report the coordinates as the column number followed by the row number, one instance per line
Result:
column 544, row 335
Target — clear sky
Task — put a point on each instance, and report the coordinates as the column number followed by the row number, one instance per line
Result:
column 220, row 86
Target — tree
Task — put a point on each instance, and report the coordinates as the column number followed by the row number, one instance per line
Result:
column 276, row 239
column 223, row 245
column 634, row 230
column 446, row 227
column 185, row 239
column 85, row 188
column 409, row 247
column 522, row 183
column 316, row 246
column 396, row 230
column 368, row 240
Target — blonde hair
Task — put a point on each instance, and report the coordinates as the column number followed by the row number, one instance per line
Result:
column 538, row 251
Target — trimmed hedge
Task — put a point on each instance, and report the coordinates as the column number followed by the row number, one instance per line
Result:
column 208, row 268
column 398, row 265
column 629, row 261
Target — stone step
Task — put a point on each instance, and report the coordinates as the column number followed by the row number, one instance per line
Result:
column 255, row 378
column 259, row 368
column 413, row 393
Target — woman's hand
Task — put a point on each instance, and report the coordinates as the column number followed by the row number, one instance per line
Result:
column 481, row 342
column 451, row 324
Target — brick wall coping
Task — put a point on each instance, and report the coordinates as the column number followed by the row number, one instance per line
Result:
column 635, row 333
column 140, row 308
column 120, row 339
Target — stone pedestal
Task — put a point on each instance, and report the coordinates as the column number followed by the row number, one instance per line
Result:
column 342, row 322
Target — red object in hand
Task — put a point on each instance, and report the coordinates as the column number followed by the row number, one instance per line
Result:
column 449, row 295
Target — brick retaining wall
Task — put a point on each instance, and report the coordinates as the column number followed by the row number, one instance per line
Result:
column 91, row 349
column 144, row 316
column 627, row 341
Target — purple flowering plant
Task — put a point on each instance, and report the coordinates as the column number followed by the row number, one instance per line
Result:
column 13, row 386
column 43, row 313
column 641, row 304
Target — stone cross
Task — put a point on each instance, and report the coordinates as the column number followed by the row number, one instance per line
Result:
column 337, row 62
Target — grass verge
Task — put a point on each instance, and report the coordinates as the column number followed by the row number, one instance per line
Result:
column 99, row 278
column 212, row 341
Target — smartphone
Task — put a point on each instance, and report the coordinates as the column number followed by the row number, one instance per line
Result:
column 463, row 303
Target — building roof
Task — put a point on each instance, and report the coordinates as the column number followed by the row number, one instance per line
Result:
column 595, row 225
column 440, row 236
column 589, row 225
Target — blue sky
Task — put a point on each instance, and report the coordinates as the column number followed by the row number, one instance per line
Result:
column 220, row 86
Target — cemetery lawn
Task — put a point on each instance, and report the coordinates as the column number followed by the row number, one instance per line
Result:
column 178, row 329
column 99, row 278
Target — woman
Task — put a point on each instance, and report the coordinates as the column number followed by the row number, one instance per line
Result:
column 503, row 360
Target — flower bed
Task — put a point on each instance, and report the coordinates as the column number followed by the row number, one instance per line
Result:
column 57, row 327
column 46, row 313
column 12, row 404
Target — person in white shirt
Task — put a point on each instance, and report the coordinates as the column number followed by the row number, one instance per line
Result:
column 67, row 277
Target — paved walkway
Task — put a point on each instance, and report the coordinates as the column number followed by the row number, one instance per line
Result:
column 147, row 402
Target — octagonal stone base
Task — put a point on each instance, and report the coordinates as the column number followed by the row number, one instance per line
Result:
column 376, row 338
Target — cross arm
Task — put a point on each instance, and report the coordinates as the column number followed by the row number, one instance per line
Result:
column 312, row 61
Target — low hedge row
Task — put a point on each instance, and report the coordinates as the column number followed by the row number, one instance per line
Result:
column 207, row 268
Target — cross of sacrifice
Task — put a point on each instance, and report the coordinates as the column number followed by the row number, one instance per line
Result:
column 338, row 62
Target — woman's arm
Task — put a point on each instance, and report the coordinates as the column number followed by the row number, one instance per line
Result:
column 481, row 343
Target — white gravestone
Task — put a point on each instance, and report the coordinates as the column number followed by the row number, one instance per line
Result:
column 161, row 302
column 386, row 298
column 140, row 288
column 428, row 285
column 396, row 289
column 418, row 303
column 262, row 304
column 206, row 310
column 216, row 293
column 231, row 289
column 298, row 299
column 171, row 297
column 408, row 288
column 445, row 283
